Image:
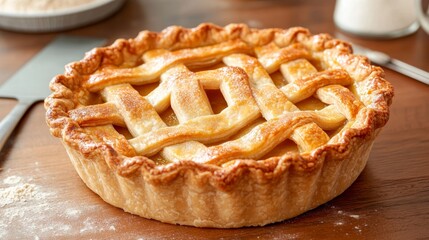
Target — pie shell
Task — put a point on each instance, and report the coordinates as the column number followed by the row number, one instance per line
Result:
column 247, row 192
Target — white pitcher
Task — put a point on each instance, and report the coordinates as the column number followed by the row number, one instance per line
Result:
column 423, row 18
column 380, row 18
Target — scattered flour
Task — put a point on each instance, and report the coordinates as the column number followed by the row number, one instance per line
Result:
column 91, row 225
column 355, row 216
column 12, row 180
column 88, row 225
column 339, row 223
column 26, row 205
column 73, row 213
column 19, row 191
column 347, row 218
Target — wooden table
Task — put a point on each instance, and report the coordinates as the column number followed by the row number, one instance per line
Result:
column 390, row 200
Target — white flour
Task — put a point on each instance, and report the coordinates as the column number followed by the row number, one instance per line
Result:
column 345, row 218
column 39, row 6
column 12, row 180
column 38, row 210
column 26, row 205
column 18, row 191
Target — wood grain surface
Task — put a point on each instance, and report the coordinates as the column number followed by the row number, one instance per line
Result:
column 390, row 200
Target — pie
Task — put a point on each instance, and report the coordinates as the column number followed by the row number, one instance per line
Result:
column 219, row 127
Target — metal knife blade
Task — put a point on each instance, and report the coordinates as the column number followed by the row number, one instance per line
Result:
column 385, row 60
column 31, row 83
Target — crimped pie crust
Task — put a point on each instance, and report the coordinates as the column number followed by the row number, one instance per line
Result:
column 218, row 189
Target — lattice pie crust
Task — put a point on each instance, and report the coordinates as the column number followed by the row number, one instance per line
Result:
column 219, row 127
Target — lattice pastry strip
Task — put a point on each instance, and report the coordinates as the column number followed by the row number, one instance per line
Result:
column 182, row 97
column 275, row 104
column 337, row 95
column 107, row 133
column 185, row 91
column 207, row 129
column 231, row 81
column 138, row 114
column 341, row 97
column 269, row 134
column 151, row 134
column 97, row 115
column 158, row 63
column 302, row 75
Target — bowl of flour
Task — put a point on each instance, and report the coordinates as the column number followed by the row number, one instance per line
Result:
column 54, row 15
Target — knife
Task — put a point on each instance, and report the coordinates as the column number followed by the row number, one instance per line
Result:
column 385, row 60
column 31, row 83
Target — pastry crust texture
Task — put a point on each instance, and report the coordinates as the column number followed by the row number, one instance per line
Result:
column 216, row 175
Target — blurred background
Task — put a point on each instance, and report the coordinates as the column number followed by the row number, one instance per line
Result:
column 125, row 18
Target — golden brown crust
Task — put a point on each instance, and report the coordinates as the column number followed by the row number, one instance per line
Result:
column 225, row 173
